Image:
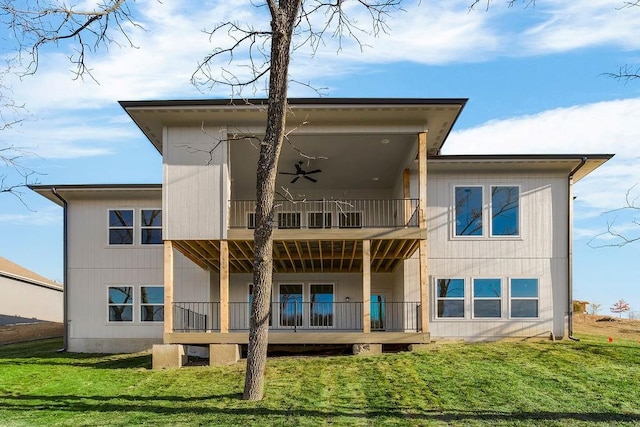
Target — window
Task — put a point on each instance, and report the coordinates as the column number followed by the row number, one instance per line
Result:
column 350, row 219
column 505, row 208
column 319, row 220
column 251, row 220
column 151, row 303
column 468, row 211
column 450, row 297
column 291, row 305
column 120, row 303
column 121, row 227
column 524, row 297
column 151, row 227
column 321, row 305
column 487, row 301
column 251, row 303
column 289, row 220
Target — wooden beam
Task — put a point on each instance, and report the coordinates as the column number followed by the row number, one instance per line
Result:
column 366, row 286
column 168, row 287
column 406, row 194
column 424, row 287
column 224, row 287
column 422, row 179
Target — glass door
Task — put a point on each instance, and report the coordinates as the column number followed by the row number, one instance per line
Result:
column 378, row 312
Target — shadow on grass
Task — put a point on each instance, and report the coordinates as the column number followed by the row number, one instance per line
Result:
column 231, row 405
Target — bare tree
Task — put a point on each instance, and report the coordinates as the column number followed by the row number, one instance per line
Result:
column 620, row 238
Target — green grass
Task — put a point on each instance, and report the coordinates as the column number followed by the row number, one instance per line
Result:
column 506, row 383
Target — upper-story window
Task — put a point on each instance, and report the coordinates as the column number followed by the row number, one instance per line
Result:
column 151, row 227
column 505, row 210
column 468, row 211
column 121, row 227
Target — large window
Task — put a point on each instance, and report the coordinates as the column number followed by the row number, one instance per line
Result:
column 487, row 301
column 468, row 211
column 121, row 227
column 289, row 220
column 291, row 305
column 450, row 297
column 505, row 211
column 321, row 304
column 151, row 303
column 319, row 220
column 524, row 297
column 151, row 227
column 350, row 219
column 120, row 303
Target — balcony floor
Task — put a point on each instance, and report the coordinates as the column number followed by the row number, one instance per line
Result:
column 290, row 337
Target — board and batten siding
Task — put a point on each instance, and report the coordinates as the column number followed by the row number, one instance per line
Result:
column 94, row 265
column 540, row 251
column 196, row 183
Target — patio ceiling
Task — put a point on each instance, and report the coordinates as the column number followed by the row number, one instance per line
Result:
column 302, row 256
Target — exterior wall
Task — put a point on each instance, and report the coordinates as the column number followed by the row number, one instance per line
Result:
column 93, row 266
column 22, row 298
column 539, row 252
column 196, row 184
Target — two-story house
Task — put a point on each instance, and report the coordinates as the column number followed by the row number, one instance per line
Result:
column 379, row 238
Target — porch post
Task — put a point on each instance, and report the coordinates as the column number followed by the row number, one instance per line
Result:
column 406, row 195
column 224, row 287
column 366, row 286
column 168, row 287
column 422, row 218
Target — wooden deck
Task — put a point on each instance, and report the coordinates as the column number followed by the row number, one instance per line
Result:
column 288, row 337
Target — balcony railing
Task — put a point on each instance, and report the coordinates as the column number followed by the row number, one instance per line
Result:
column 299, row 315
column 328, row 214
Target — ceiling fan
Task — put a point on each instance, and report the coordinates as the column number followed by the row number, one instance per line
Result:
column 301, row 173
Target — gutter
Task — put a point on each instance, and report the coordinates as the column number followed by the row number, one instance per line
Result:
column 570, row 247
column 65, row 258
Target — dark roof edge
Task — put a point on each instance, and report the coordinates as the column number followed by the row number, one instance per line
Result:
column 55, row 287
column 449, row 157
column 97, row 187
column 295, row 101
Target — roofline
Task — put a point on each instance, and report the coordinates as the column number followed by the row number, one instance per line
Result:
column 67, row 187
column 56, row 287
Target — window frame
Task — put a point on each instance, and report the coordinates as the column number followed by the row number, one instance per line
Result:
column 437, row 299
column 295, row 324
column 132, row 227
column 327, row 220
column 519, row 298
column 518, row 214
column 142, row 304
column 360, row 216
column 150, row 227
column 110, row 304
column 455, row 211
column 475, row 298
column 288, row 226
column 332, row 306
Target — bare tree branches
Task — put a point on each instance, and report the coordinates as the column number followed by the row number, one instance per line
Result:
column 510, row 3
column 626, row 73
column 619, row 238
column 11, row 160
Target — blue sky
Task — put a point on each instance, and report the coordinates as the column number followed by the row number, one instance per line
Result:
column 534, row 77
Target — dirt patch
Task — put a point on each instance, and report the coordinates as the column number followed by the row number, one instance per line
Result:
column 29, row 332
column 607, row 326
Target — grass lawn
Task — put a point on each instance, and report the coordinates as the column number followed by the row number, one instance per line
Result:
column 505, row 383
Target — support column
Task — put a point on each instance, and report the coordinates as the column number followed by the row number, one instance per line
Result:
column 168, row 287
column 366, row 286
column 406, row 195
column 224, row 287
column 422, row 223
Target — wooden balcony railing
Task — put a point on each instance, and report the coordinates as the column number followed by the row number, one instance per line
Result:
column 330, row 214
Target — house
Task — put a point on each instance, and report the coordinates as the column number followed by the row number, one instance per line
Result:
column 27, row 296
column 379, row 238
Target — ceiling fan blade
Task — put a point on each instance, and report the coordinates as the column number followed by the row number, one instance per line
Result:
column 313, row 171
column 287, row 173
column 295, row 179
column 310, row 179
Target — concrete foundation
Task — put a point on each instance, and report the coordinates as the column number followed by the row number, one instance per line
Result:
column 420, row 347
column 223, row 354
column 168, row 356
column 365, row 349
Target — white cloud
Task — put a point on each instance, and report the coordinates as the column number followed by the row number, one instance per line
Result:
column 43, row 217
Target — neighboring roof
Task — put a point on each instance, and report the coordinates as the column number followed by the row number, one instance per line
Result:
column 577, row 165
column 50, row 191
column 14, row 271
column 402, row 115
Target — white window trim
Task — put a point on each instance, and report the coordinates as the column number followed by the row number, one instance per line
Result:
column 511, row 298
column 143, row 227
column 463, row 299
column 133, row 304
column 474, row 298
column 453, row 209
column 333, row 305
column 490, row 214
column 141, row 303
column 133, row 228
column 324, row 226
column 279, row 319
column 343, row 214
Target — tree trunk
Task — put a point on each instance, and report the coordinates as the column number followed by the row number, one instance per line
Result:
column 283, row 16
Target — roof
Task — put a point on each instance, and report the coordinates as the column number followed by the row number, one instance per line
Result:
column 14, row 271
column 90, row 190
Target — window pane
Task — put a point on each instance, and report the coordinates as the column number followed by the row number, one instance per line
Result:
column 321, row 305
column 486, row 288
column 289, row 220
column 120, row 313
column 151, row 236
column 121, row 236
column 505, row 202
column 291, row 305
column 120, row 295
column 524, row 308
column 152, row 313
column 350, row 220
column 152, row 295
column 450, row 288
column 120, row 218
column 524, row 288
column 468, row 211
column 487, row 308
column 151, row 218
column 450, row 308
column 316, row 220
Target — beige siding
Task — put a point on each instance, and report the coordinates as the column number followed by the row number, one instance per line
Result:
column 31, row 301
column 196, row 183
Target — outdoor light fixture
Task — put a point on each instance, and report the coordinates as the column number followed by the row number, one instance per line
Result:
column 384, row 141
column 346, row 299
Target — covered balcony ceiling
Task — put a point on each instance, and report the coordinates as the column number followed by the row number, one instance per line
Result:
column 302, row 256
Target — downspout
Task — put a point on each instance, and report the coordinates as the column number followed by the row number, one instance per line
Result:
column 65, row 258
column 570, row 248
